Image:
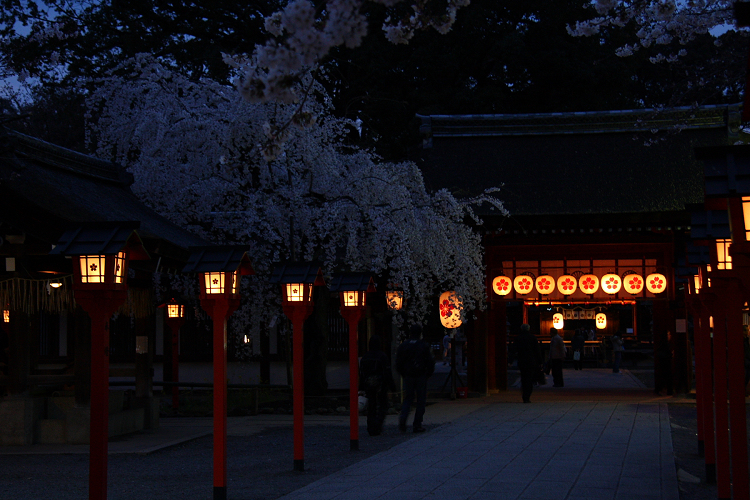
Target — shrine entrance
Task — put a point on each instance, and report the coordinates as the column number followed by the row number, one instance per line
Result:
column 603, row 275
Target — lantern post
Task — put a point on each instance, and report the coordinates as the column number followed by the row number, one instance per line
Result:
column 727, row 192
column 297, row 282
column 101, row 254
column 175, row 316
column 395, row 300
column 219, row 269
column 353, row 288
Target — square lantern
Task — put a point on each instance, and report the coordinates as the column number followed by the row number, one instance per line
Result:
column 298, row 280
column 395, row 299
column 353, row 288
column 220, row 267
column 175, row 310
column 102, row 251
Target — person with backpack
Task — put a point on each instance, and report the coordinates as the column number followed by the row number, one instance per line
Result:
column 375, row 380
column 415, row 364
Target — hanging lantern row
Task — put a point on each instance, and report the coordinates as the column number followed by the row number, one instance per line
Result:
column 587, row 283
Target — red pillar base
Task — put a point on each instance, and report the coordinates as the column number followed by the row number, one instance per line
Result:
column 710, row 473
column 220, row 493
column 299, row 465
column 353, row 444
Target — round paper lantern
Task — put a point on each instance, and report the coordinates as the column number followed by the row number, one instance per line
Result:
column 567, row 284
column 450, row 310
column 656, row 283
column 502, row 285
column 545, row 284
column 589, row 284
column 601, row 321
column 633, row 284
column 557, row 320
column 523, row 284
column 611, row 283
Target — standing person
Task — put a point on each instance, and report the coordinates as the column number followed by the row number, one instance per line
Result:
column 375, row 380
column 664, row 364
column 557, row 352
column 577, row 345
column 414, row 362
column 529, row 357
column 617, row 347
column 446, row 347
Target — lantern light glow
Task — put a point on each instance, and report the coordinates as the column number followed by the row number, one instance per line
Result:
column 724, row 260
column 295, row 292
column 545, row 284
column 395, row 299
column 450, row 310
column 175, row 310
column 656, row 283
column 601, row 321
column 352, row 298
column 6, row 316
column 589, row 284
column 557, row 321
column 523, row 284
column 92, row 268
column 633, row 283
column 611, row 283
column 502, row 285
column 567, row 284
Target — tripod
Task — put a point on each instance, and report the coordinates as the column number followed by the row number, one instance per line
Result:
column 453, row 375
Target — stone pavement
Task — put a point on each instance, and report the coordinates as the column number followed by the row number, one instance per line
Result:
column 548, row 450
column 602, row 436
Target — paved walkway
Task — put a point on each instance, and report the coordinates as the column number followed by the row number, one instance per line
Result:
column 555, row 450
column 602, row 436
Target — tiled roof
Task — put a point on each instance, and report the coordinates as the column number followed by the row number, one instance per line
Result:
column 577, row 163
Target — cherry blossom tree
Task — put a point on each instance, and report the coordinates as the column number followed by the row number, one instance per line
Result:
column 197, row 151
column 660, row 22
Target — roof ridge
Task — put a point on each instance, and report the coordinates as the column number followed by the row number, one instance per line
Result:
column 67, row 159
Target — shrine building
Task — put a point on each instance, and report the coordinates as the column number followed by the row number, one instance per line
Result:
column 599, row 218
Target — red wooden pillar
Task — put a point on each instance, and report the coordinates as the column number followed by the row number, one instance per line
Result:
column 219, row 307
column 704, row 390
column 721, row 411
column 175, row 367
column 352, row 315
column 733, row 303
column 100, row 307
column 174, row 325
column 298, row 313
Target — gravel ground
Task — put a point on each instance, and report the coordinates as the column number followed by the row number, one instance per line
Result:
column 690, row 466
column 259, row 467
